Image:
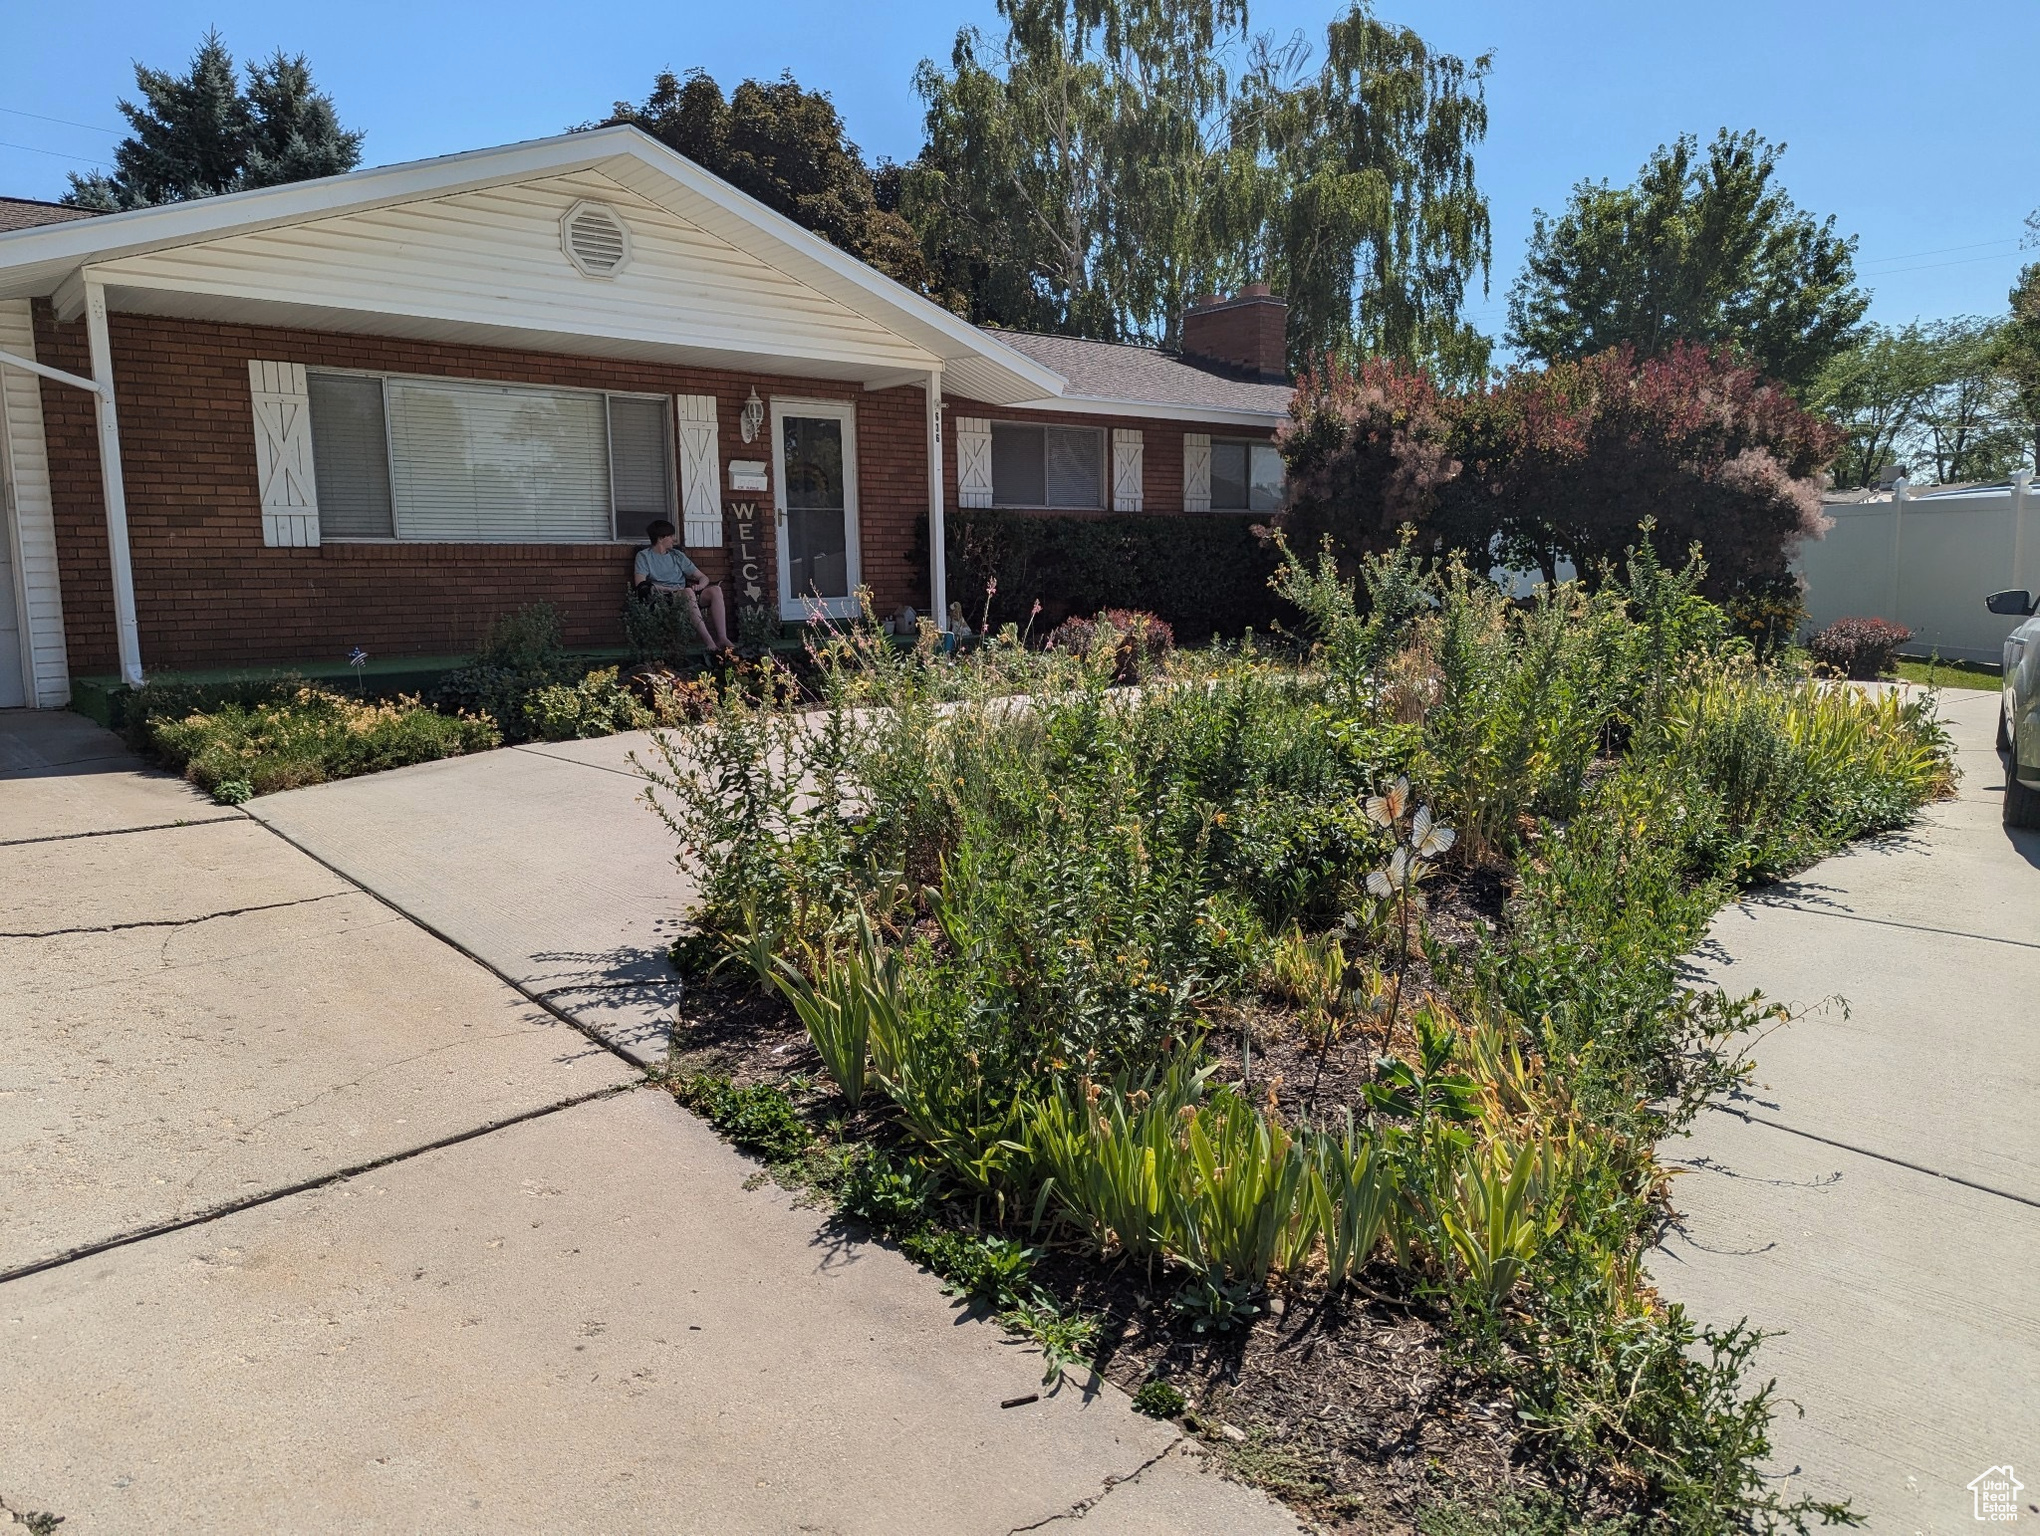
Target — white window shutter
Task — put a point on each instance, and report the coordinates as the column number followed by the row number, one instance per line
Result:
column 1126, row 469
column 283, row 454
column 973, row 461
column 700, row 473
column 1196, row 471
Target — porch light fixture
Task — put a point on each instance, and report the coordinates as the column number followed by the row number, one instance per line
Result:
column 752, row 417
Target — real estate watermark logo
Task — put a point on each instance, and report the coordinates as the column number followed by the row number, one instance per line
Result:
column 1997, row 1494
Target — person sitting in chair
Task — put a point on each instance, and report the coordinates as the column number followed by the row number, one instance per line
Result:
column 662, row 570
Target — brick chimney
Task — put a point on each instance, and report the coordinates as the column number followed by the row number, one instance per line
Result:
column 1241, row 336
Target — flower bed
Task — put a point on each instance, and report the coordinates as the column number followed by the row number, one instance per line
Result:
column 1260, row 1032
column 288, row 735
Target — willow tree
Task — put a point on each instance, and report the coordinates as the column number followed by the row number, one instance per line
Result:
column 1059, row 188
column 1352, row 188
column 1100, row 163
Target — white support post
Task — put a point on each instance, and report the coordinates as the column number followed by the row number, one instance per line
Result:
column 1898, row 490
column 127, row 631
column 2022, row 544
column 938, row 555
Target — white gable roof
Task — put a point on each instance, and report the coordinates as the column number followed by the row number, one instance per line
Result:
column 466, row 247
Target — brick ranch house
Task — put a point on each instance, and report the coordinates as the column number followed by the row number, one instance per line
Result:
column 378, row 409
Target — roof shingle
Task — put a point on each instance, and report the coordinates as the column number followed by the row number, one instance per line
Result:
column 26, row 213
column 1105, row 370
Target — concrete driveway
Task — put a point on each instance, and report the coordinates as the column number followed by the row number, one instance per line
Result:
column 312, row 1220
column 1876, row 1196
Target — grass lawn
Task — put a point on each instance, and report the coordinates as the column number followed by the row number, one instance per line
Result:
column 1951, row 674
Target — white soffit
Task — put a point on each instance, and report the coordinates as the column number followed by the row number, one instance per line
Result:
column 902, row 328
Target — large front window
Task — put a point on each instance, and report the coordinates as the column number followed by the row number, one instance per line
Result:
column 459, row 461
column 1061, row 467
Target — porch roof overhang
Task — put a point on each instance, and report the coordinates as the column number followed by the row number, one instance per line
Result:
column 243, row 258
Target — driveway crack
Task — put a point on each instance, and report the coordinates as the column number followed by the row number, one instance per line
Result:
column 175, row 922
column 1083, row 1507
column 158, row 826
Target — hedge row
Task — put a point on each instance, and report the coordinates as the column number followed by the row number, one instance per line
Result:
column 1206, row 573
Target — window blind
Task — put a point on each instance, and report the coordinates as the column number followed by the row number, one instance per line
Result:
column 1076, row 472
column 497, row 463
column 350, row 456
column 1018, row 465
column 1047, row 466
column 640, row 462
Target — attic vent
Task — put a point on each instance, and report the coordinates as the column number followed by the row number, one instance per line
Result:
column 596, row 240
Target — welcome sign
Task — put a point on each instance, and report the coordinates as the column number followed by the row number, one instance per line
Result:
column 747, row 556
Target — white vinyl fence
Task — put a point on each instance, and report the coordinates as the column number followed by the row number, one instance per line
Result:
column 1927, row 559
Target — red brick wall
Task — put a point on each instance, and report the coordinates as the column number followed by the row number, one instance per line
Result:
column 1161, row 456
column 209, row 593
column 1247, row 332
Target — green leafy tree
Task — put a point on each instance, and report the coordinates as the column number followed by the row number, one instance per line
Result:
column 1702, row 248
column 1878, row 392
column 1970, row 426
column 787, row 147
column 200, row 134
column 2019, row 357
column 1097, row 166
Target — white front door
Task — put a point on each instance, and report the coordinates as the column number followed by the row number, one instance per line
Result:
column 814, row 479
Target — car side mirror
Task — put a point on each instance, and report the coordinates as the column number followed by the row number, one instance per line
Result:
column 2017, row 603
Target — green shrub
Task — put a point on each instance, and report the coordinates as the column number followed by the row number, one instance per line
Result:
column 1205, row 573
column 1795, row 768
column 759, row 628
column 659, row 629
column 521, row 652
column 307, row 737
column 598, row 705
column 142, row 708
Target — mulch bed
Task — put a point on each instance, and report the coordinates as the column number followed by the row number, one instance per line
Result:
column 1353, row 1412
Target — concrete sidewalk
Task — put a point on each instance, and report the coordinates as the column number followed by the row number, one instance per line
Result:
column 308, row 1222
column 541, row 861
column 1876, row 1196
column 199, row 1016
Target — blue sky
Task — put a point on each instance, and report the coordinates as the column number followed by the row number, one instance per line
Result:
column 1910, row 123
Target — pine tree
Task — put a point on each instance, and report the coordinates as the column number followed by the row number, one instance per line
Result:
column 199, row 134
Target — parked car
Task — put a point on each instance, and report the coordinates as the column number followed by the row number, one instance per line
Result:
column 2019, row 715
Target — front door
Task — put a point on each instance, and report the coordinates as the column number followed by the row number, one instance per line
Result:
column 814, row 474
